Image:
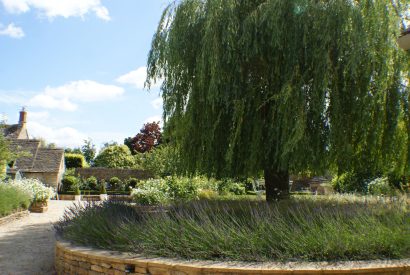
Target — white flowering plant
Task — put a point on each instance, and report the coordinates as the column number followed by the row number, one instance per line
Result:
column 37, row 190
column 380, row 186
column 151, row 192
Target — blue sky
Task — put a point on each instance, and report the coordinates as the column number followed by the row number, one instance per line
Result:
column 78, row 66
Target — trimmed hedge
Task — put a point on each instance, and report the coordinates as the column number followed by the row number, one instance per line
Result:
column 74, row 161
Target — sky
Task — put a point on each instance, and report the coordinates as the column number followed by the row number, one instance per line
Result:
column 78, row 66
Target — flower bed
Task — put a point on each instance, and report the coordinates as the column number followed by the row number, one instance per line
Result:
column 23, row 193
column 303, row 229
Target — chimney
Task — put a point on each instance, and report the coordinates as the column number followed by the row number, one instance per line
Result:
column 23, row 117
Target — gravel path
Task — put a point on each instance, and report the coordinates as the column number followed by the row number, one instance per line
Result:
column 27, row 245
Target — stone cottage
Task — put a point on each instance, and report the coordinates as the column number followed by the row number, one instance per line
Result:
column 41, row 163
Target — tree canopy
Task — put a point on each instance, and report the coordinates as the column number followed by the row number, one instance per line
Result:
column 5, row 155
column 281, row 85
column 148, row 138
column 115, row 156
column 89, row 151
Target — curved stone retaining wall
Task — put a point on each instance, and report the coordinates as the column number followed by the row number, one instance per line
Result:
column 86, row 261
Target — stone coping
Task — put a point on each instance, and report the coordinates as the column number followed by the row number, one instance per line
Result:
column 71, row 259
column 14, row 216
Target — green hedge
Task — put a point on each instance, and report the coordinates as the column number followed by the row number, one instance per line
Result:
column 74, row 161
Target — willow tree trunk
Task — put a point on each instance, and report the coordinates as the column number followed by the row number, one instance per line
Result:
column 276, row 184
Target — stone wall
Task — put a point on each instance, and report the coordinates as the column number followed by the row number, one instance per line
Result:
column 88, row 261
column 108, row 173
column 50, row 179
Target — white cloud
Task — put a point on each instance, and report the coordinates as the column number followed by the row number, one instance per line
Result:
column 85, row 90
column 62, row 137
column 12, row 31
column 157, row 103
column 49, row 102
column 65, row 97
column 16, row 6
column 103, row 13
column 39, row 116
column 154, row 119
column 11, row 97
column 137, row 78
column 55, row 8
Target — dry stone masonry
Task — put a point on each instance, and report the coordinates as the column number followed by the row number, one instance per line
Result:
column 87, row 261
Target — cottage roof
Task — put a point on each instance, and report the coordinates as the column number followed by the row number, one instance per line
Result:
column 48, row 160
column 11, row 131
column 36, row 159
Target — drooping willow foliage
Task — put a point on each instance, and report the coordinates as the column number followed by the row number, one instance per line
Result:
column 286, row 85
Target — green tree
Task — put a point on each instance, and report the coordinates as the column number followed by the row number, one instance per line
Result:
column 115, row 156
column 9, row 154
column 73, row 151
column 89, row 151
column 5, row 155
column 161, row 161
column 279, row 86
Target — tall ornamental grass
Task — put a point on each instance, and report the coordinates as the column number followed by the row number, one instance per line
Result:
column 13, row 198
column 306, row 228
column 19, row 194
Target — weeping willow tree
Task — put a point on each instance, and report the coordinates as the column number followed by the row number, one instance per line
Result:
column 280, row 86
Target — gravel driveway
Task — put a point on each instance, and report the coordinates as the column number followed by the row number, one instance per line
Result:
column 27, row 245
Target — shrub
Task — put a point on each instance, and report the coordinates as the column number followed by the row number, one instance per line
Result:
column 151, row 192
column 92, row 183
column 103, row 190
column 331, row 228
column 248, row 184
column 74, row 161
column 77, row 191
column 204, row 183
column 69, row 183
column 132, row 183
column 115, row 183
column 381, row 186
column 13, row 198
column 350, row 182
column 207, row 194
column 398, row 181
column 227, row 186
column 181, row 189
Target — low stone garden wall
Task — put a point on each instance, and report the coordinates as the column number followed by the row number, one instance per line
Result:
column 95, row 197
column 107, row 173
column 71, row 259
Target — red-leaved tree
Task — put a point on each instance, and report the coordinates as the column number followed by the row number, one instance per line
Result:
column 148, row 138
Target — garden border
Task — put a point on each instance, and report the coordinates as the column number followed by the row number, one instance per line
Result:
column 71, row 259
column 14, row 217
